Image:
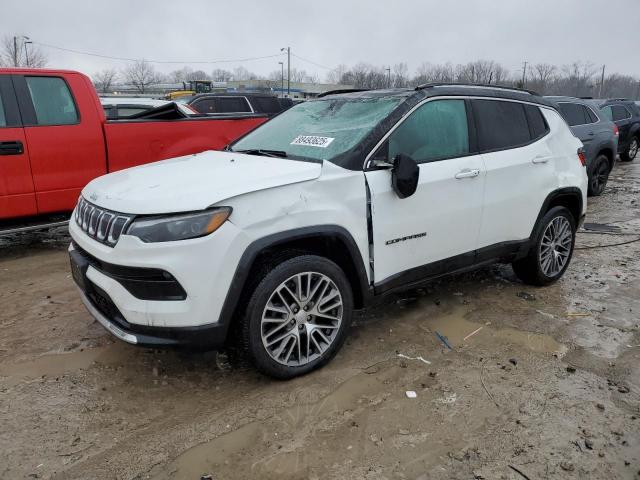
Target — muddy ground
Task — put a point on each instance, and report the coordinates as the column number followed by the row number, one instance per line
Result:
column 548, row 386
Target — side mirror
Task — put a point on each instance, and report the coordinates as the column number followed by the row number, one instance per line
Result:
column 404, row 175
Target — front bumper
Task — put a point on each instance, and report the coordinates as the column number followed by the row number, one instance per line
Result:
column 202, row 267
column 202, row 337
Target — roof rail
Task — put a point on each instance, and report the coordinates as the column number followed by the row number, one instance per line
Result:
column 343, row 90
column 618, row 100
column 483, row 85
column 586, row 98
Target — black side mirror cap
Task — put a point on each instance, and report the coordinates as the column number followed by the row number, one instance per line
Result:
column 404, row 175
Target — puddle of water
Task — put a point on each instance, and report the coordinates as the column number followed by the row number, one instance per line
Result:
column 455, row 328
column 60, row 363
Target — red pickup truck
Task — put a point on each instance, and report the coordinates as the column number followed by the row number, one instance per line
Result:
column 54, row 139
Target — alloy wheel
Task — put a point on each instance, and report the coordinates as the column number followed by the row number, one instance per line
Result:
column 555, row 247
column 301, row 318
column 599, row 178
column 633, row 148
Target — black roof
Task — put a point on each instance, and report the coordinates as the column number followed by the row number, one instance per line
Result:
column 440, row 90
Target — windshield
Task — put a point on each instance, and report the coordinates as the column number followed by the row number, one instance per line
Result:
column 319, row 129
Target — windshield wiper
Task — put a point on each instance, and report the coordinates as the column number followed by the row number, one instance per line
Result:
column 266, row 153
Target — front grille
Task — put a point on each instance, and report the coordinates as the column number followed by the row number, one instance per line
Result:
column 100, row 224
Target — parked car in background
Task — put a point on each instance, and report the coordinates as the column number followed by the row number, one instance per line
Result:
column 116, row 108
column 223, row 103
column 54, row 138
column 626, row 115
column 326, row 206
column 599, row 136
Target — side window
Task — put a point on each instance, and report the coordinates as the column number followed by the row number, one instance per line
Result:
column 607, row 113
column 205, row 105
column 573, row 113
column 436, row 130
column 537, row 124
column 52, row 101
column 500, row 124
column 231, row 105
column 592, row 116
column 266, row 104
column 620, row 113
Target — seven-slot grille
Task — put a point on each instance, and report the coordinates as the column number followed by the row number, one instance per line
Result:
column 100, row 224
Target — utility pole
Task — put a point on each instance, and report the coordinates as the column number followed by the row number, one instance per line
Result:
column 15, row 51
column 638, row 91
column 388, row 69
column 281, row 79
column 288, row 49
column 601, row 82
column 26, row 51
column 524, row 74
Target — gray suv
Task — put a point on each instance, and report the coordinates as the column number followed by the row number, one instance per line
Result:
column 599, row 136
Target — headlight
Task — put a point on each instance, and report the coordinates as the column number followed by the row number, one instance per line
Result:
column 178, row 227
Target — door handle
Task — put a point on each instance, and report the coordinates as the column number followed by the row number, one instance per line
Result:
column 591, row 134
column 14, row 147
column 540, row 159
column 467, row 173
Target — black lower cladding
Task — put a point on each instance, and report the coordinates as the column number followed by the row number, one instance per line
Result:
column 142, row 283
column 202, row 337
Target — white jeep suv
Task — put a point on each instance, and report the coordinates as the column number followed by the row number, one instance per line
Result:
column 335, row 201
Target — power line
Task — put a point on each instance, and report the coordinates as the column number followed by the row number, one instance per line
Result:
column 311, row 62
column 126, row 59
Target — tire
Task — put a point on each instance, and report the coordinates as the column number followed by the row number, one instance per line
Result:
column 281, row 307
column 598, row 176
column 632, row 150
column 532, row 269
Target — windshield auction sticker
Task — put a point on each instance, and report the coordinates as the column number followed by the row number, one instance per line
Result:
column 312, row 141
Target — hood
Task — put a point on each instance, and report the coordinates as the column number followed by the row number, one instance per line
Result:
column 194, row 182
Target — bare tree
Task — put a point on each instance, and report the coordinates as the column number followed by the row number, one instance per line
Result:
column 400, row 77
column 16, row 52
column 221, row 75
column 141, row 75
column 335, row 75
column 241, row 73
column 104, row 79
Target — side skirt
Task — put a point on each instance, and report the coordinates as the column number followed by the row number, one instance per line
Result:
column 501, row 252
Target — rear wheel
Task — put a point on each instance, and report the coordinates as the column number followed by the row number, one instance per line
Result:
column 599, row 176
column 632, row 150
column 551, row 252
column 297, row 317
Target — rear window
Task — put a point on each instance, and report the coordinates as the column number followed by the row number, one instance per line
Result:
column 266, row 104
column 500, row 124
column 231, row 105
column 52, row 101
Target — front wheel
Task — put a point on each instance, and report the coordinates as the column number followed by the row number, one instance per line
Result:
column 551, row 251
column 632, row 150
column 297, row 317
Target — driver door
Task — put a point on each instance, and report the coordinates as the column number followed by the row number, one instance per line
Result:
column 436, row 229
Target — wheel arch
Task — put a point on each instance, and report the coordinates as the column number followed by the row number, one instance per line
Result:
column 569, row 197
column 608, row 152
column 331, row 241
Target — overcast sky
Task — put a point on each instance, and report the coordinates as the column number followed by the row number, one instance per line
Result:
column 330, row 32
